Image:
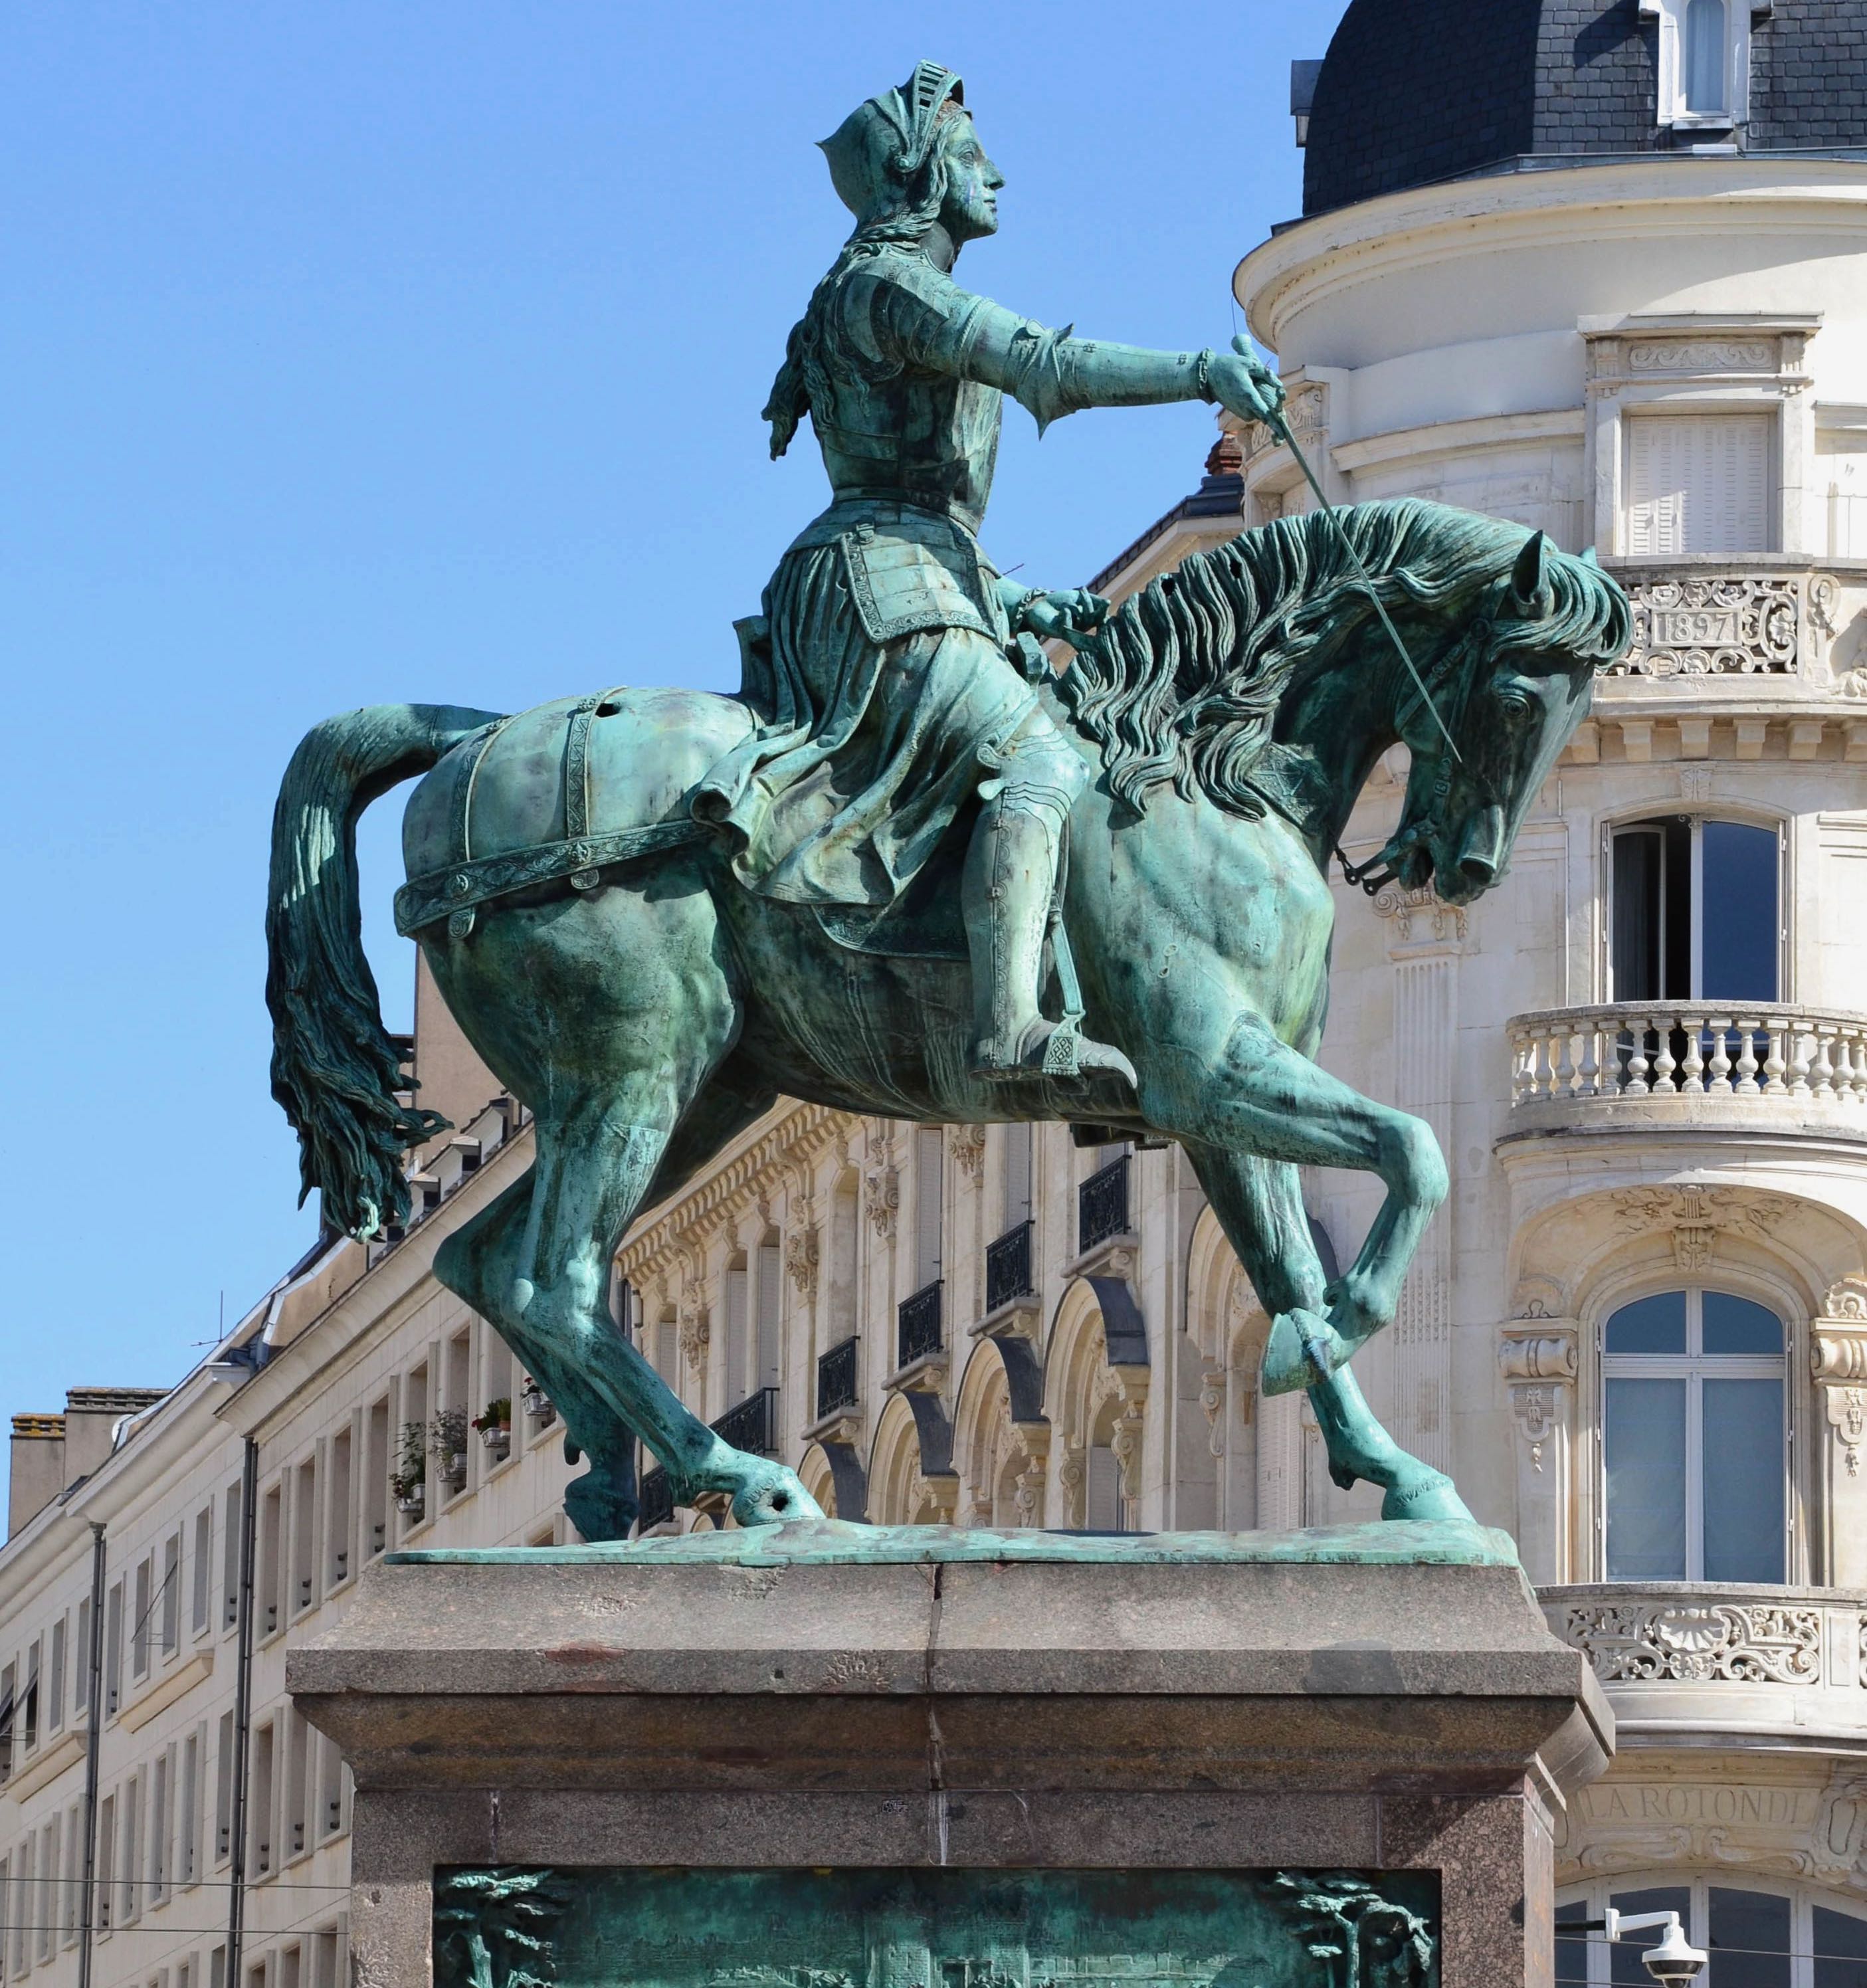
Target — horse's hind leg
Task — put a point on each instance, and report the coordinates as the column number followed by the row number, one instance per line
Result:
column 1260, row 1205
column 480, row 1263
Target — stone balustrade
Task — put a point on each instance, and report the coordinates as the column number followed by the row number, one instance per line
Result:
column 1713, row 1055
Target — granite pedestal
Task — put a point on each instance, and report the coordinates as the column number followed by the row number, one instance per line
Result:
column 1377, row 1699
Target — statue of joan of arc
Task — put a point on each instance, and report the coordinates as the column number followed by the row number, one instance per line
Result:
column 884, row 673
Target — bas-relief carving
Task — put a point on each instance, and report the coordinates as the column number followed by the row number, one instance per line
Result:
column 802, row 1252
column 1722, row 625
column 1838, row 1362
column 1693, row 1214
column 1737, row 1642
column 509, row 1928
column 1539, row 1364
column 881, row 1199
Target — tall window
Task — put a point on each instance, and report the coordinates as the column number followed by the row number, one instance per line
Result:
column 1694, row 912
column 1695, row 1439
column 1703, row 64
column 1792, row 1937
column 1698, row 483
column 929, row 1194
column 1017, row 1199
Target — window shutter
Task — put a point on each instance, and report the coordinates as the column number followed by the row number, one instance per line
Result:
column 668, row 1350
column 769, row 1292
column 929, row 1159
column 736, row 1334
column 1698, row 483
column 1102, row 1490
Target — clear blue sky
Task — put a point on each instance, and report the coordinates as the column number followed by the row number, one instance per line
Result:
column 353, row 352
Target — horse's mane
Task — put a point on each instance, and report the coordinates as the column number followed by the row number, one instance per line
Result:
column 1185, row 683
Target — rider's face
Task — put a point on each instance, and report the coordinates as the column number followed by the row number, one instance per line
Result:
column 972, row 183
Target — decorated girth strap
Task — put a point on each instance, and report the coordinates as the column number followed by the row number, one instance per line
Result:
column 455, row 891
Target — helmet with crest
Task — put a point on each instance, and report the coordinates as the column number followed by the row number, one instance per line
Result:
column 888, row 167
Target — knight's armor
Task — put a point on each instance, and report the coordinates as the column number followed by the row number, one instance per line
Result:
column 882, row 668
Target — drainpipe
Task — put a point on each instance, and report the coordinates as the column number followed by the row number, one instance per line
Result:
column 242, row 1712
column 93, row 1748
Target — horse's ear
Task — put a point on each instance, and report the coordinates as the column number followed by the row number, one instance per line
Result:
column 1530, row 576
column 1589, row 556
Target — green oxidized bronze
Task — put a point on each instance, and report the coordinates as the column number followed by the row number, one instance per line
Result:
column 652, row 912
column 505, row 1927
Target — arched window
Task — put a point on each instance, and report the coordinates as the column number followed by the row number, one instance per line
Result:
column 1788, row 1936
column 1704, row 60
column 1694, row 1439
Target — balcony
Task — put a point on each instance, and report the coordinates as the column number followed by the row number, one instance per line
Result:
column 656, row 1499
column 919, row 1325
column 1689, row 1065
column 753, row 1424
column 1102, row 1205
column 836, row 1378
column 1008, row 1267
column 1681, row 1660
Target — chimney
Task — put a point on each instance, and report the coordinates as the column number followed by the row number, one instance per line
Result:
column 38, row 1468
column 91, row 1413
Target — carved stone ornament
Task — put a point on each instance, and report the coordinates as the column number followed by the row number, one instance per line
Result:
column 696, row 1333
column 1703, row 355
column 1724, row 624
column 1838, row 1361
column 1212, row 1405
column 1693, row 1215
column 1404, row 907
column 1539, row 1364
column 968, row 1145
column 882, row 1198
column 801, row 1252
column 1728, row 1642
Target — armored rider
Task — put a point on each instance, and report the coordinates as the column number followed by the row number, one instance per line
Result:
column 883, row 668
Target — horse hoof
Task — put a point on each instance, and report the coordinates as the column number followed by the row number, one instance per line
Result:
column 773, row 1496
column 1432, row 1495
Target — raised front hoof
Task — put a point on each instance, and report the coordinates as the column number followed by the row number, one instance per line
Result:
column 772, row 1494
column 1429, row 1494
column 1302, row 1351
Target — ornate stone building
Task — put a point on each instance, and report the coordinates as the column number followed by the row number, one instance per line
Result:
column 1595, row 267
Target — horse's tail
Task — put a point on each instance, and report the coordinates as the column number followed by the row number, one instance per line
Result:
column 335, row 1068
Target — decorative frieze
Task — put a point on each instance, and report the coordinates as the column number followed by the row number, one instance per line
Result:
column 1669, row 1641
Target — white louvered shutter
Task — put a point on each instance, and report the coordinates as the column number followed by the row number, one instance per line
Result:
column 735, row 1335
column 1698, row 483
column 1017, row 1175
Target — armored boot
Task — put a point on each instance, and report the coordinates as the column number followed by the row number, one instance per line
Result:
column 1010, row 880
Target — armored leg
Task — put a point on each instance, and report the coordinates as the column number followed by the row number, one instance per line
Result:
column 1010, row 883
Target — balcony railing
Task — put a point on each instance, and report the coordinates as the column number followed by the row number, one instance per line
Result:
column 1635, row 1051
column 753, row 1424
column 1101, row 1205
column 919, row 1325
column 656, row 1499
column 1788, row 1657
column 1008, row 1270
column 836, row 1378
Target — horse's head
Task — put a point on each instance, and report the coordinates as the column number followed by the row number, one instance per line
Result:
column 1512, row 686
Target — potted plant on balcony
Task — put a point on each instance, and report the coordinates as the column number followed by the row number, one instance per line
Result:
column 408, row 1481
column 537, row 1407
column 494, row 1424
column 448, row 1441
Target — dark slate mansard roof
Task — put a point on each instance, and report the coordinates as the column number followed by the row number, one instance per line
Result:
column 1415, row 91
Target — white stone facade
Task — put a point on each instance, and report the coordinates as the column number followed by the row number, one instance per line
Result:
column 1098, row 1367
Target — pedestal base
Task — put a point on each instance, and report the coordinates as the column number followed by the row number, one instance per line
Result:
column 1225, row 1712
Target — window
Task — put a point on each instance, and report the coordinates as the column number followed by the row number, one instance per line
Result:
column 113, row 1650
column 171, row 1595
column 737, row 1296
column 1695, row 1439
column 139, row 1632
column 223, row 1791
column 187, row 1846
column 770, row 1294
column 929, row 1194
column 1793, row 1937
column 9, row 1687
column 1017, row 1197
column 81, row 1681
column 1702, row 66
column 230, row 1561
column 341, row 1524
column 28, row 1702
column 1698, row 483
column 1694, row 911
column 201, row 1599
column 55, row 1679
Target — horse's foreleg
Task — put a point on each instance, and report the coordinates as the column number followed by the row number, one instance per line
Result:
column 1256, row 1094
column 1259, row 1202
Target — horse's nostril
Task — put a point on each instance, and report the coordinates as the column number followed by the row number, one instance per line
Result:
column 780, row 1500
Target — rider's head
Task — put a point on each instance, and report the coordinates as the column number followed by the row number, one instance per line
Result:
column 904, row 159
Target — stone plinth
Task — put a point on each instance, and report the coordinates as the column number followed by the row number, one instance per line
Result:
column 1378, row 1699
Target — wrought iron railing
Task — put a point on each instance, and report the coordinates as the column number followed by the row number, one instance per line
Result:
column 1008, row 1271
column 656, row 1498
column 752, row 1425
column 836, row 1378
column 919, row 1324
column 1101, row 1205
